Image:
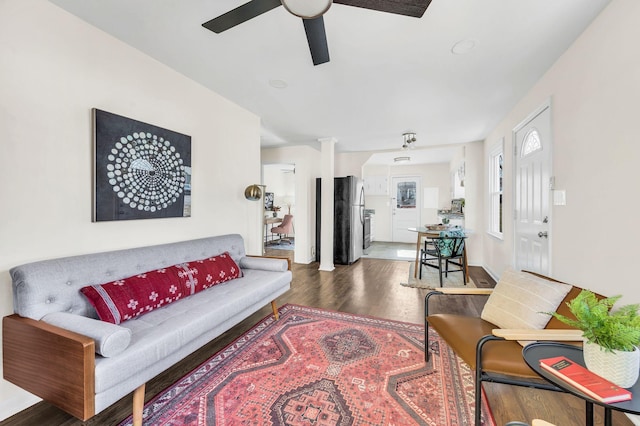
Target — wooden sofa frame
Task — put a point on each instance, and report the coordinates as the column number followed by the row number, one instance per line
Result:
column 57, row 365
column 494, row 353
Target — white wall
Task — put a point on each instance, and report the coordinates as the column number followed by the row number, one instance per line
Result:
column 350, row 163
column 594, row 89
column 282, row 184
column 307, row 164
column 457, row 190
column 474, row 200
column 54, row 68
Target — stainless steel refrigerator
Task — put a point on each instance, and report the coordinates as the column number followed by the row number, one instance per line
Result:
column 348, row 219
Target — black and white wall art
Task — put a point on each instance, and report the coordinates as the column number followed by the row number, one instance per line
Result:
column 268, row 201
column 141, row 171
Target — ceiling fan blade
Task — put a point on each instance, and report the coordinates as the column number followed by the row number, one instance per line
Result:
column 414, row 8
column 317, row 38
column 240, row 14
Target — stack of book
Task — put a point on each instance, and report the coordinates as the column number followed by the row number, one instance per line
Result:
column 584, row 380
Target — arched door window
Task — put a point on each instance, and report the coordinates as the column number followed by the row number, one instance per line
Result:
column 531, row 143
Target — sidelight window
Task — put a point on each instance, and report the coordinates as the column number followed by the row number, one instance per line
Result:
column 496, row 162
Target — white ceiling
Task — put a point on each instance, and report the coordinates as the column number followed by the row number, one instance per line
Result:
column 388, row 73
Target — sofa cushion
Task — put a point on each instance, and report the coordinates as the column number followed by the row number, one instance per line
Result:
column 130, row 297
column 110, row 339
column 201, row 274
column 120, row 300
column 462, row 333
column 264, row 263
column 519, row 298
column 34, row 284
column 161, row 333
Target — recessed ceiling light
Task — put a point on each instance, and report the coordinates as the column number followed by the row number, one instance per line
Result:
column 463, row 47
column 402, row 159
column 278, row 84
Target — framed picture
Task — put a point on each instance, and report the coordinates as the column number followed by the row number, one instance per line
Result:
column 141, row 171
column 268, row 200
column 406, row 198
column 457, row 206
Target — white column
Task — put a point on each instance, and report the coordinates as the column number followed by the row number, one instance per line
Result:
column 327, row 158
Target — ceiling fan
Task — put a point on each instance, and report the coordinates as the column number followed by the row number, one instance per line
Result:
column 311, row 12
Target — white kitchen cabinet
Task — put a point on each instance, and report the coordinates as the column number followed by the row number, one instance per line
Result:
column 376, row 185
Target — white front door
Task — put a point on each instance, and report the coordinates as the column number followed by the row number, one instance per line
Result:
column 405, row 208
column 532, row 169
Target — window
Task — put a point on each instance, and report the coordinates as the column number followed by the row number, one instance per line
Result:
column 531, row 143
column 496, row 160
column 406, row 198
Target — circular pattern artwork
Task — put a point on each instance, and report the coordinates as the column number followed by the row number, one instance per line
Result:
column 146, row 172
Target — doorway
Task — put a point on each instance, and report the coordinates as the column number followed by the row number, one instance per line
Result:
column 279, row 201
column 532, row 171
column 404, row 208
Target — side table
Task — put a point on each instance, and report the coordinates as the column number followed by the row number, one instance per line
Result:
column 534, row 352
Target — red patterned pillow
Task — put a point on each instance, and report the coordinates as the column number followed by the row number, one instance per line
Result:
column 128, row 298
column 201, row 274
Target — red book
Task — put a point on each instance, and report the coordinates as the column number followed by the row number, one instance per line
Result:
column 584, row 380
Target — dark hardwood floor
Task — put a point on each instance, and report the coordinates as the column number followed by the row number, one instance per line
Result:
column 368, row 287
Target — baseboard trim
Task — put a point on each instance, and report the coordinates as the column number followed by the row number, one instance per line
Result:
column 326, row 267
column 488, row 270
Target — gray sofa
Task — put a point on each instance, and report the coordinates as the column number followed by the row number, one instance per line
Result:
column 50, row 343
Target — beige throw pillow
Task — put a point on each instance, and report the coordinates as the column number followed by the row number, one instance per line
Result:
column 519, row 298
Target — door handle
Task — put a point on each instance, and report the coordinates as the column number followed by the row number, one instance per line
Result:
column 544, row 234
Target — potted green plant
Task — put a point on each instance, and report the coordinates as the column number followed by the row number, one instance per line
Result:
column 611, row 337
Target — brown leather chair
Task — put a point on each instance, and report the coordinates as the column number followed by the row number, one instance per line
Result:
column 494, row 353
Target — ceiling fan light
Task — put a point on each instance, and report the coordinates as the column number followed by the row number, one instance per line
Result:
column 307, row 9
column 409, row 138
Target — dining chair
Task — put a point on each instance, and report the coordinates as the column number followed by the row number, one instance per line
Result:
column 443, row 251
column 285, row 228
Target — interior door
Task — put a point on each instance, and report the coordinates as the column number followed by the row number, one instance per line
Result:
column 404, row 208
column 532, row 149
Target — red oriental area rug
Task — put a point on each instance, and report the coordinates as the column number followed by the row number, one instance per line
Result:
column 323, row 368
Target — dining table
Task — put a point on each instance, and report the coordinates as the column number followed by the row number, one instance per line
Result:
column 426, row 232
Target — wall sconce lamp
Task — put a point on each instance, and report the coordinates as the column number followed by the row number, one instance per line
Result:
column 254, row 193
